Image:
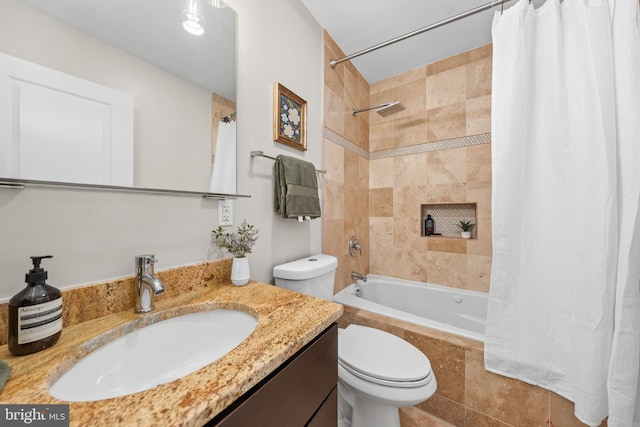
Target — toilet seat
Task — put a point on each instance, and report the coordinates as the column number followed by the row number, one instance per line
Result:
column 382, row 358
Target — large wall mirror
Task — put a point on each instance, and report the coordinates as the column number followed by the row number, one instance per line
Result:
column 118, row 92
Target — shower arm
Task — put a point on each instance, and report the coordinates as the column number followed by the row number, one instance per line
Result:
column 449, row 20
column 375, row 107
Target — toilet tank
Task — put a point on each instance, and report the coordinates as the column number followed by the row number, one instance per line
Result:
column 314, row 275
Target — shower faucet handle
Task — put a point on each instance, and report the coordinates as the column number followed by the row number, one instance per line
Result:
column 354, row 245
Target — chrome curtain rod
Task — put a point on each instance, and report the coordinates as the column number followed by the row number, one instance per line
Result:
column 261, row 154
column 457, row 17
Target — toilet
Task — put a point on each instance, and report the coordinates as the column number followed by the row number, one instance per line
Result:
column 378, row 372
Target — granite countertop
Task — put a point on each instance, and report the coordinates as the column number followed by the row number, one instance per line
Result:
column 287, row 321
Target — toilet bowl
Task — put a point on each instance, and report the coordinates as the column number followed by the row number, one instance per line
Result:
column 378, row 372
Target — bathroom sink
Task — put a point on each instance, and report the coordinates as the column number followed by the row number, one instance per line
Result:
column 154, row 355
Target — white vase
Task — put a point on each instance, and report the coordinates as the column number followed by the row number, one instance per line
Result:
column 240, row 271
column 465, row 234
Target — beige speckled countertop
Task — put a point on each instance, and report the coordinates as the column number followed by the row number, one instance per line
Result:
column 286, row 322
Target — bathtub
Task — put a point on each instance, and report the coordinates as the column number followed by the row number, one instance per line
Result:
column 451, row 310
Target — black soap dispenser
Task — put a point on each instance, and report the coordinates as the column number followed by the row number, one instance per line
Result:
column 35, row 313
column 429, row 226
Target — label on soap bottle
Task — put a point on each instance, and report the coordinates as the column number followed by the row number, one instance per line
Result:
column 39, row 321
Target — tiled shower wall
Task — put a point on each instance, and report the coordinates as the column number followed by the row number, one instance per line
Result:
column 436, row 151
column 381, row 169
column 346, row 183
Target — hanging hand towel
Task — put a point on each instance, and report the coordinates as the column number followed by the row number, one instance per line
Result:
column 295, row 188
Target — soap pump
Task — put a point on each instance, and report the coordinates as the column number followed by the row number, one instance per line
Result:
column 35, row 313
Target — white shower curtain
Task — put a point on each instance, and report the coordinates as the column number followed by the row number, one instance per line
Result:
column 564, row 306
column 223, row 175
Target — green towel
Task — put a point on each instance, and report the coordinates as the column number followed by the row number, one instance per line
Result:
column 295, row 188
column 5, row 372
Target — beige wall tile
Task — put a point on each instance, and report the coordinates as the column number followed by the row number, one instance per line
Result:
column 476, row 419
column 333, row 161
column 334, row 111
column 478, row 78
column 405, row 205
column 333, row 240
column 381, row 241
column 447, row 122
column 508, row 400
column 381, row 136
column 414, row 417
column 373, row 320
column 447, row 166
column 448, row 269
column 478, row 115
column 447, row 362
column 381, row 173
column 381, row 202
column 478, row 273
column 333, row 201
column 446, row 88
column 482, row 52
column 351, row 168
column 446, row 193
column 479, row 163
column 562, row 413
column 447, row 64
column 408, row 264
column 410, row 170
column 444, row 244
column 410, row 130
column 418, row 73
column 445, row 409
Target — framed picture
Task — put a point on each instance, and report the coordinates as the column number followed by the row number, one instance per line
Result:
column 289, row 118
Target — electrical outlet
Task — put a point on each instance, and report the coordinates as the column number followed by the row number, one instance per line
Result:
column 225, row 212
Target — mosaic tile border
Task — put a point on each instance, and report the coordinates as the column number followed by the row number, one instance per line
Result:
column 446, row 144
column 345, row 143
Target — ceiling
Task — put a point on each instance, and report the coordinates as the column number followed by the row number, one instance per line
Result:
column 359, row 24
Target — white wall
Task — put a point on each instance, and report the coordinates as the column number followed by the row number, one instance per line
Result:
column 94, row 235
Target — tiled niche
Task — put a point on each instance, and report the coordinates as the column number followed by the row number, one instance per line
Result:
column 447, row 217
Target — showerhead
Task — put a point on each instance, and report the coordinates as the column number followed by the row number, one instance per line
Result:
column 383, row 109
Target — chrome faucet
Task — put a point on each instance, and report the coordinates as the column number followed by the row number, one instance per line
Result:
column 358, row 276
column 354, row 245
column 147, row 285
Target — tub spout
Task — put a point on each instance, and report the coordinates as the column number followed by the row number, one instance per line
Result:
column 358, row 276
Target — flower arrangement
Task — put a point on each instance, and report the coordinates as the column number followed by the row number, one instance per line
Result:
column 238, row 244
column 465, row 225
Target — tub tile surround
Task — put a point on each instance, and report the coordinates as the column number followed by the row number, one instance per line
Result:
column 286, row 322
column 92, row 301
column 467, row 394
column 435, row 151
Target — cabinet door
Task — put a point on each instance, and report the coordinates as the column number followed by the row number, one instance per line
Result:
column 292, row 395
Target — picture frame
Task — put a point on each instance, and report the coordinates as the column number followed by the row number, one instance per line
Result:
column 289, row 118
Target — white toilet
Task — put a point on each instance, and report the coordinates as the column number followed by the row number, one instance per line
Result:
column 377, row 371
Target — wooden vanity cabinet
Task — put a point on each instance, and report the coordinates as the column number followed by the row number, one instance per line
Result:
column 301, row 392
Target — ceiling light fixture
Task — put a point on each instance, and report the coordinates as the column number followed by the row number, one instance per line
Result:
column 218, row 3
column 192, row 19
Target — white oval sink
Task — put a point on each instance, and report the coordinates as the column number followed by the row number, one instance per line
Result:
column 154, row 355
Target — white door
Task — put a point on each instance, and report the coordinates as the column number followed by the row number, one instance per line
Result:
column 56, row 127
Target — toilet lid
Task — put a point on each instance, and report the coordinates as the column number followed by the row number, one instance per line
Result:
column 381, row 357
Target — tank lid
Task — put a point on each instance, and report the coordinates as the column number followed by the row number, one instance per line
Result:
column 306, row 268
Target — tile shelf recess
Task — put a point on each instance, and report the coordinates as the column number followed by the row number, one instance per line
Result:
column 22, row 183
column 447, row 216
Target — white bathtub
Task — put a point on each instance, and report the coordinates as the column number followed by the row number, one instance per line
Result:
column 452, row 310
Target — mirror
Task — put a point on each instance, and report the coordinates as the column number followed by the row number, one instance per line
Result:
column 170, row 88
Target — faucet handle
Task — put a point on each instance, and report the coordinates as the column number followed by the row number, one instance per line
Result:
column 146, row 258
